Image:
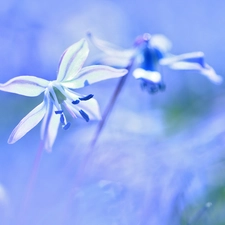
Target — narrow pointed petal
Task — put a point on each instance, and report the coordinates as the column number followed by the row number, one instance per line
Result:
column 49, row 127
column 92, row 74
column 115, row 61
column 193, row 57
column 185, row 66
column 211, row 74
column 111, row 49
column 25, row 85
column 207, row 70
column 27, row 123
column 72, row 61
column 193, row 61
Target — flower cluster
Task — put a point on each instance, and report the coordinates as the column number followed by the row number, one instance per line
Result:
column 148, row 55
column 144, row 59
column 59, row 95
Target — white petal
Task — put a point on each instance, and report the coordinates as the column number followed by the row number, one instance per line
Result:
column 49, row 127
column 72, row 60
column 207, row 70
column 92, row 74
column 90, row 107
column 194, row 57
column 211, row 74
column 111, row 49
column 115, row 61
column 25, row 85
column 161, row 42
column 153, row 76
column 27, row 123
column 185, row 66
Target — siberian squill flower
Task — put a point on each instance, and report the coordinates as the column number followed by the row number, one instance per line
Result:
column 150, row 53
column 59, row 95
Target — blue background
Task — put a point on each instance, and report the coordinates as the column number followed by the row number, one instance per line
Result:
column 159, row 159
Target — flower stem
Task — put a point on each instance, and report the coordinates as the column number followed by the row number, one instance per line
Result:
column 200, row 213
column 81, row 169
column 30, row 185
column 108, row 111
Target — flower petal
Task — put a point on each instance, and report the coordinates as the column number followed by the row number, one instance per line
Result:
column 27, row 123
column 90, row 107
column 91, row 74
column 152, row 76
column 193, row 61
column 193, row 57
column 185, row 66
column 111, row 49
column 211, row 74
column 115, row 61
column 161, row 42
column 49, row 127
column 25, row 85
column 72, row 60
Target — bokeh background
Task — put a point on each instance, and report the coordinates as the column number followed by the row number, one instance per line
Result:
column 159, row 159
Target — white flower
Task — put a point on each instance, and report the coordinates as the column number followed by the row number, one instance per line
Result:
column 58, row 95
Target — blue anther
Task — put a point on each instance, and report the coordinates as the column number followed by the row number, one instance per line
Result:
column 62, row 119
column 75, row 102
column 84, row 115
column 66, row 126
column 86, row 83
column 59, row 112
column 85, row 98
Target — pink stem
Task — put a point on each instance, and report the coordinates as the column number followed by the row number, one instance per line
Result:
column 30, row 185
column 81, row 170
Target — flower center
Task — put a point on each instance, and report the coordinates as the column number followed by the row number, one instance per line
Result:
column 60, row 96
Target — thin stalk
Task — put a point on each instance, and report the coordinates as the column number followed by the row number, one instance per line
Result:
column 81, row 169
column 199, row 214
column 108, row 111
column 99, row 129
column 31, row 183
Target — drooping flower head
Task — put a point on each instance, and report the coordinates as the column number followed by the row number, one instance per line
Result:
column 151, row 49
column 145, row 56
column 151, row 52
column 59, row 95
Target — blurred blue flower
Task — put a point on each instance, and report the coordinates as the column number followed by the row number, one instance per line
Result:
column 148, row 54
column 58, row 94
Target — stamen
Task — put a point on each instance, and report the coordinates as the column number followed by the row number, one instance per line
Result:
column 75, row 102
column 66, row 127
column 84, row 115
column 86, row 83
column 59, row 112
column 69, row 108
column 85, row 98
column 62, row 119
column 162, row 87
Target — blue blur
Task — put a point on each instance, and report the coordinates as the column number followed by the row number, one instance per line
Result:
column 159, row 159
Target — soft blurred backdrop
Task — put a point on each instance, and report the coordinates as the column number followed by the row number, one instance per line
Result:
column 159, row 159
